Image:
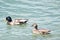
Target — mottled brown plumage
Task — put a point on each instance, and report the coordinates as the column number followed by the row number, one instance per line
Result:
column 39, row 31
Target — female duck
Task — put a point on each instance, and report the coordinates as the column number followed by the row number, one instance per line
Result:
column 16, row 21
column 39, row 31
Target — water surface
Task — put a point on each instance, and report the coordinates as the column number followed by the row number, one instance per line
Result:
column 46, row 13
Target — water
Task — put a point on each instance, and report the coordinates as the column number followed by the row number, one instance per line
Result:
column 46, row 13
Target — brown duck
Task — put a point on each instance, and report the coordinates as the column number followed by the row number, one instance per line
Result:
column 39, row 31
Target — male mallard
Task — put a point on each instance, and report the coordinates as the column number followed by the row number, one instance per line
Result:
column 16, row 21
column 39, row 31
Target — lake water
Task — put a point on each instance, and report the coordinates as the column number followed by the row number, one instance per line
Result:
column 46, row 13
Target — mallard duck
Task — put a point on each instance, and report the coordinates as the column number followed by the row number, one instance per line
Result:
column 16, row 21
column 39, row 31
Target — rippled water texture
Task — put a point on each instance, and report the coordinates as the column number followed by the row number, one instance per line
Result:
column 46, row 13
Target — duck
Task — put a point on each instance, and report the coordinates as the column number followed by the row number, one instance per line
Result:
column 40, row 31
column 16, row 21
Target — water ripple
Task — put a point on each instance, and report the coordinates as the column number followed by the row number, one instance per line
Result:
column 46, row 13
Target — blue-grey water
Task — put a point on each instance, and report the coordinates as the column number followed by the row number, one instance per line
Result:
column 46, row 13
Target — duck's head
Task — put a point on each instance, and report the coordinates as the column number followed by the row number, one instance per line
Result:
column 9, row 19
column 35, row 26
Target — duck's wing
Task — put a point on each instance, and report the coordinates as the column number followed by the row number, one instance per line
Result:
column 21, row 20
column 44, row 30
column 16, row 22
